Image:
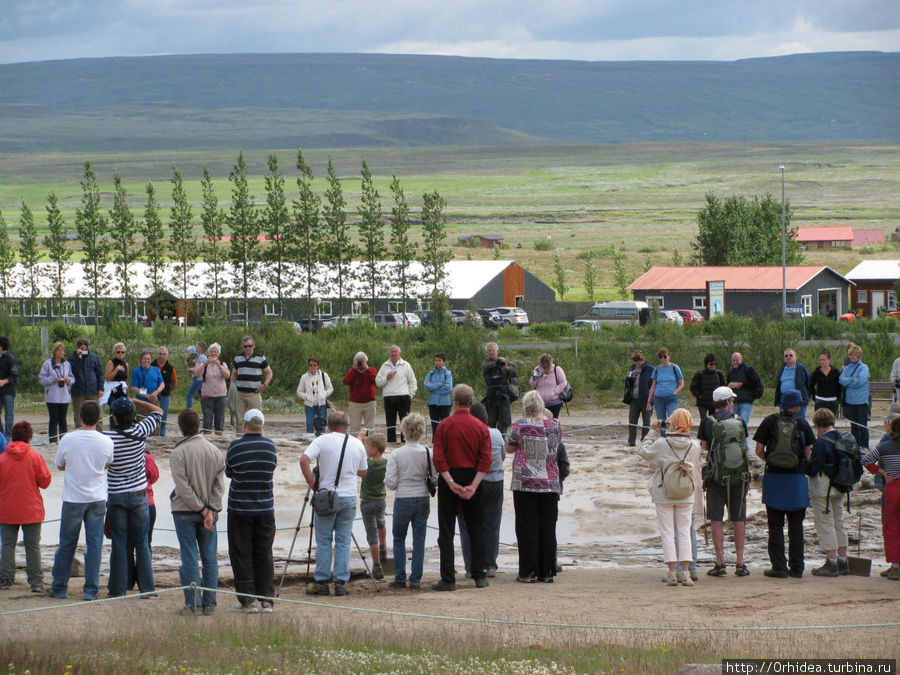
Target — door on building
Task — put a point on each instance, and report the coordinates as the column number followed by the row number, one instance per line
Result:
column 829, row 303
column 878, row 301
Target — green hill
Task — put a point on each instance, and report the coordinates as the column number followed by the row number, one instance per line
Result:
column 342, row 100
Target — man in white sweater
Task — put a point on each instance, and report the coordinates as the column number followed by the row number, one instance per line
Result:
column 397, row 379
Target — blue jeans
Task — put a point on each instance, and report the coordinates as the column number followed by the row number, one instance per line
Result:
column 665, row 405
column 6, row 404
column 335, row 528
column 164, row 403
column 129, row 518
column 743, row 409
column 193, row 537
column 408, row 510
column 311, row 413
column 92, row 514
column 192, row 391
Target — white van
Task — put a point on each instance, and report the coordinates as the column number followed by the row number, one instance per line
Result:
column 618, row 312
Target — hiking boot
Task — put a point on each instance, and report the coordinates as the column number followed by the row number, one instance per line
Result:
column 491, row 572
column 843, row 567
column 340, row 589
column 884, row 573
column 397, row 584
column 796, row 574
column 829, row 569
column 382, row 554
column 776, row 574
column 693, row 575
column 481, row 583
column 671, row 579
column 249, row 607
column 377, row 572
column 208, row 610
column 5, row 585
column 318, row 588
column 443, row 585
column 186, row 611
column 266, row 606
column 894, row 573
column 685, row 579
column 526, row 580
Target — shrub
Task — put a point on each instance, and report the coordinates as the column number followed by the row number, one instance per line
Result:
column 543, row 244
column 552, row 331
column 64, row 332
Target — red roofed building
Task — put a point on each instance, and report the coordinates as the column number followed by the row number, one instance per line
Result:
column 817, row 289
column 825, row 238
column 868, row 238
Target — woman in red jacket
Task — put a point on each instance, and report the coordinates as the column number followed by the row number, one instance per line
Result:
column 22, row 473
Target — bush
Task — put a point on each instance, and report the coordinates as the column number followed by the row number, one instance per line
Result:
column 543, row 244
column 551, row 331
column 60, row 331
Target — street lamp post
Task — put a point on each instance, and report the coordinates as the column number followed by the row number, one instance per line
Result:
column 783, row 252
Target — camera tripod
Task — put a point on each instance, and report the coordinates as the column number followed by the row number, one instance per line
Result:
column 309, row 546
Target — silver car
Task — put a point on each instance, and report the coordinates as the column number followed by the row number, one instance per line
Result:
column 512, row 316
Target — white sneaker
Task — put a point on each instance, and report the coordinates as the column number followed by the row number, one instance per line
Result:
column 267, row 606
column 249, row 607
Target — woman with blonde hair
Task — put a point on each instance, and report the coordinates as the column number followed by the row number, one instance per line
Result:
column 534, row 441
column 854, row 378
column 57, row 379
column 671, row 456
column 407, row 468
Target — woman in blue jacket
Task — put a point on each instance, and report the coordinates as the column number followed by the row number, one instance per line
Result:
column 855, row 381
column 439, row 385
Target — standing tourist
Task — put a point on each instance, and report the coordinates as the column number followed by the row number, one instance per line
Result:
column 117, row 367
column 23, row 473
column 250, row 463
column 784, row 442
column 533, row 442
column 549, row 380
column 825, row 384
column 198, row 470
column 638, row 381
column 214, row 376
column 146, row 381
column 398, row 382
column 85, row 456
column 793, row 376
column 57, row 379
column 498, row 373
column 747, row 387
column 855, row 380
column 439, row 385
column 251, row 375
column 704, row 383
column 667, row 383
column 9, row 373
column 341, row 458
column 314, row 389
column 360, row 379
column 169, row 381
column 128, row 509
column 372, row 496
column 193, row 362
column 89, row 377
column 884, row 461
column 462, row 457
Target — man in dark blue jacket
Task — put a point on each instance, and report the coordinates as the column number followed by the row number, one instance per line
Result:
column 88, row 378
column 793, row 376
column 637, row 389
column 9, row 373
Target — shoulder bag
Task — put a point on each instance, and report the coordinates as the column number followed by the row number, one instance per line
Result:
column 324, row 501
column 430, row 478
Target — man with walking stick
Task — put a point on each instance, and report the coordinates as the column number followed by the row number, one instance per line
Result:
column 341, row 458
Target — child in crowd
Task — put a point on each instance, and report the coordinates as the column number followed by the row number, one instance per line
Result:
column 371, row 499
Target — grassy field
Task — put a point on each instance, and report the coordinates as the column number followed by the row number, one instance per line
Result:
column 640, row 197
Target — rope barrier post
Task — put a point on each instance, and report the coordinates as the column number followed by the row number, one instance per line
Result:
column 196, row 595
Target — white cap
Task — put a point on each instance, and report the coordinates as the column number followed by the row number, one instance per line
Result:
column 723, row 394
column 254, row 416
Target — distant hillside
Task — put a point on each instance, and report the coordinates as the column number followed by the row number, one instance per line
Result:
column 333, row 100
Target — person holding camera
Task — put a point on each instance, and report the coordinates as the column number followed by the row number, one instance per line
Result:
column 360, row 379
column 89, row 378
column 214, row 390
column 498, row 373
column 314, row 389
column 549, row 380
column 399, row 385
column 57, row 379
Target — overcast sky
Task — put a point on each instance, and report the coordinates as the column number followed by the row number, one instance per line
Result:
column 37, row 30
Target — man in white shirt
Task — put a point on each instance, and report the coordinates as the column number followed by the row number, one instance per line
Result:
column 84, row 454
column 397, row 379
column 336, row 527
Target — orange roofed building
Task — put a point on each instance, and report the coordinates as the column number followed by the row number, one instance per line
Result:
column 825, row 238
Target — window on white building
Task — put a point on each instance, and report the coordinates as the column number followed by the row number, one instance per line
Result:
column 323, row 307
column 862, row 296
column 699, row 302
column 270, row 308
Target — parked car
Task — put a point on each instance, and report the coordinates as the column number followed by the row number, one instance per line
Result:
column 490, row 318
column 584, row 324
column 411, row 319
column 462, row 316
column 690, row 315
column 390, row 320
column 672, row 316
column 618, row 312
column 512, row 316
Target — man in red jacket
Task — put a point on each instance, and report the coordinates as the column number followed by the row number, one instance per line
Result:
column 462, row 457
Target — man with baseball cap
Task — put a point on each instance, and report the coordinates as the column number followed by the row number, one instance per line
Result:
column 250, row 463
column 726, row 477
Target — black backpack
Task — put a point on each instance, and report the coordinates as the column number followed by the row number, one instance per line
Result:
column 843, row 465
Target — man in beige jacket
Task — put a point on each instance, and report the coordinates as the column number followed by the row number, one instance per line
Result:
column 397, row 379
column 198, row 469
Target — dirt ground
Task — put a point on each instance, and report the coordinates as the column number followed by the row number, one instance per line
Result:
column 610, row 585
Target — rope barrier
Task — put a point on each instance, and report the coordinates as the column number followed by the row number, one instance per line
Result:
column 466, row 619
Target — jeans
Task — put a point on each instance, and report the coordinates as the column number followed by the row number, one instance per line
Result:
column 858, row 415
column 92, row 514
column 9, row 535
column 492, row 501
column 665, row 405
column 250, row 551
column 743, row 409
column 213, row 412
column 335, row 528
column 132, row 564
column 311, row 413
column 164, row 403
column 193, row 537
column 6, row 404
column 56, row 426
column 408, row 510
column 192, row 391
column 129, row 519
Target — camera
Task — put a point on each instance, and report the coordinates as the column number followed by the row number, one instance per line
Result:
column 663, row 424
column 359, row 363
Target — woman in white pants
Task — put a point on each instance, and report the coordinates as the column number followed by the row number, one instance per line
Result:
column 663, row 453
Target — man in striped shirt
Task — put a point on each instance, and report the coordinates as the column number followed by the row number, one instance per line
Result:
column 251, row 376
column 250, row 463
column 127, row 508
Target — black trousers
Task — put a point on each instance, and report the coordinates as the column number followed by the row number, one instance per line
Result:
column 536, row 514
column 250, row 551
column 775, row 518
column 57, row 424
column 438, row 413
column 637, row 410
column 705, row 412
column 448, row 505
column 395, row 409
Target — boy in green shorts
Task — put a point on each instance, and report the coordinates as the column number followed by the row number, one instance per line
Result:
column 371, row 499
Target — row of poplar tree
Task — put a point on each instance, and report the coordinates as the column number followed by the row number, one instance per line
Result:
column 312, row 234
